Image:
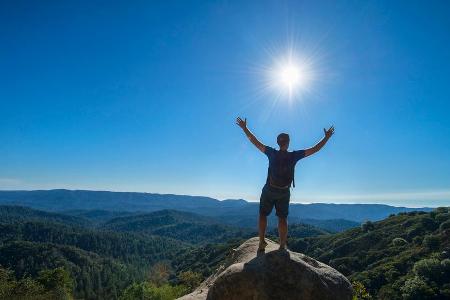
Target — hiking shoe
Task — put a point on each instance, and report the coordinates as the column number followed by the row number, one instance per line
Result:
column 282, row 247
column 262, row 246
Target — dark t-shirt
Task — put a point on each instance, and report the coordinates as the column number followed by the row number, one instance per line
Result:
column 289, row 159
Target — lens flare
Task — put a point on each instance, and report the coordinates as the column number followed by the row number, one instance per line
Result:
column 291, row 77
column 287, row 74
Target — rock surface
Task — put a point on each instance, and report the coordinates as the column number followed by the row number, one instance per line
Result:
column 275, row 274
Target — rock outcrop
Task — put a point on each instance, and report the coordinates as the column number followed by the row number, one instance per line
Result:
column 275, row 274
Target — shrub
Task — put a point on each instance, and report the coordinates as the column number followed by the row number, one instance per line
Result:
column 445, row 226
column 442, row 217
column 359, row 291
column 298, row 245
column 147, row 290
column 408, row 223
column 428, row 223
column 428, row 268
column 440, row 210
column 432, row 242
column 317, row 252
column 49, row 285
column 445, row 290
column 416, row 288
column 387, row 292
column 417, row 240
column 445, row 268
column 397, row 242
column 367, row 226
column 57, row 278
column 190, row 279
column 444, row 254
column 413, row 232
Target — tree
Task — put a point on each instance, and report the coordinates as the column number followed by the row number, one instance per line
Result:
column 429, row 268
column 360, row 292
column 159, row 273
column 444, row 226
column 399, row 242
column 367, row 226
column 416, row 289
column 190, row 279
column 149, row 291
column 58, row 281
column 432, row 242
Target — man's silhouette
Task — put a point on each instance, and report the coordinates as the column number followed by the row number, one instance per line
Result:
column 280, row 175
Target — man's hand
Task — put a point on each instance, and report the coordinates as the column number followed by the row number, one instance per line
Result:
column 328, row 133
column 241, row 123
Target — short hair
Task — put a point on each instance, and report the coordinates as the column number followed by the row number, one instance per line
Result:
column 283, row 139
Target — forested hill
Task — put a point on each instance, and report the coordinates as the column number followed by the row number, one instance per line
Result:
column 406, row 256
column 109, row 254
column 101, row 263
column 183, row 226
column 229, row 211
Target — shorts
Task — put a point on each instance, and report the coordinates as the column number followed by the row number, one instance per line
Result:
column 272, row 196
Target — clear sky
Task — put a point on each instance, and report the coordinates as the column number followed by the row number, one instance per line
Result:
column 143, row 95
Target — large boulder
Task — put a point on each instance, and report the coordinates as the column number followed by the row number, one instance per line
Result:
column 275, row 274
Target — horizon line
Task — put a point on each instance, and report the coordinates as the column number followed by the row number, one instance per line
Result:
column 341, row 197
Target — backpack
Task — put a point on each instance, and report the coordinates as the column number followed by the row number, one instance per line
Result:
column 281, row 171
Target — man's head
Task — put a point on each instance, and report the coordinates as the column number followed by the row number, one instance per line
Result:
column 283, row 141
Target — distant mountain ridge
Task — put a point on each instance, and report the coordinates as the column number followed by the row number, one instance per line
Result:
column 63, row 200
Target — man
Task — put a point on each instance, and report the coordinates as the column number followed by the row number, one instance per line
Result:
column 280, row 175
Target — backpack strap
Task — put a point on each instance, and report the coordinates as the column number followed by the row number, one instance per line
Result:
column 293, row 180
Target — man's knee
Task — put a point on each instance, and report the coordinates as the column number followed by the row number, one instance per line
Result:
column 282, row 220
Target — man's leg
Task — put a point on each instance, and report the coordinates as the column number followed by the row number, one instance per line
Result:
column 282, row 208
column 265, row 207
column 282, row 231
column 262, row 225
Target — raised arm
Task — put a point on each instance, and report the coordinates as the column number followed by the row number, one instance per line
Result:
column 243, row 124
column 328, row 133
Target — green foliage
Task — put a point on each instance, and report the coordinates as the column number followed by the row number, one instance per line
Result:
column 44, row 247
column 190, row 279
column 429, row 268
column 10, row 214
column 442, row 217
column 50, row 284
column 150, row 291
column 417, row 288
column 360, row 292
column 330, row 225
column 367, row 226
column 57, row 280
column 432, row 242
column 184, row 226
column 444, row 226
column 159, row 273
column 300, row 230
column 206, row 259
column 389, row 256
column 417, row 240
column 397, row 242
column 441, row 210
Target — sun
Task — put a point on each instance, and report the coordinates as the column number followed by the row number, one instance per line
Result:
column 291, row 77
column 289, row 74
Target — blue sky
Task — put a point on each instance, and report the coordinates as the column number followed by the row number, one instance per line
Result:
column 142, row 96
